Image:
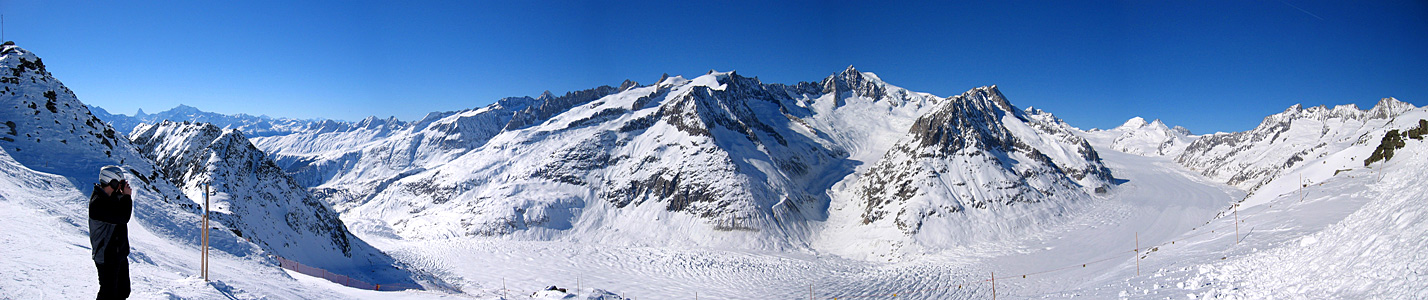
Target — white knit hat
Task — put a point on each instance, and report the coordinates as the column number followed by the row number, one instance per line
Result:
column 108, row 173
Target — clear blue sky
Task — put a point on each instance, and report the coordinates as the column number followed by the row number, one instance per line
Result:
column 1207, row 65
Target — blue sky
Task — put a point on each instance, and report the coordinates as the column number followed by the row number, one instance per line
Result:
column 1207, row 65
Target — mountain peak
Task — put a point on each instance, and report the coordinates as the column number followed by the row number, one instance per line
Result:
column 628, row 84
column 850, row 70
column 1136, row 122
column 11, row 48
column 182, row 109
column 855, row 82
column 1390, row 106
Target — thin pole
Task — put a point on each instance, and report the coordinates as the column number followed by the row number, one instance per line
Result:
column 1137, row 253
column 810, row 291
column 994, row 285
column 206, row 203
column 1237, row 222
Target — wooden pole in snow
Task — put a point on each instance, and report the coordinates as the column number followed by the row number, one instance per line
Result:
column 1237, row 222
column 1137, row 253
column 205, row 231
column 994, row 285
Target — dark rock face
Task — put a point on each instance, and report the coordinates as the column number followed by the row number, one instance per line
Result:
column 729, row 119
column 851, row 82
column 550, row 105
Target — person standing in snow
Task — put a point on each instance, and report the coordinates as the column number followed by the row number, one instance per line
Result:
column 110, row 206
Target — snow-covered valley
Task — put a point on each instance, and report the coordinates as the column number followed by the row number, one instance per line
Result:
column 722, row 187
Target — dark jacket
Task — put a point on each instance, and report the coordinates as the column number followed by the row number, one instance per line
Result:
column 108, row 225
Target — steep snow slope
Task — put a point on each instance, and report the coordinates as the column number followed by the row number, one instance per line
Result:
column 252, row 196
column 1285, row 140
column 1149, row 139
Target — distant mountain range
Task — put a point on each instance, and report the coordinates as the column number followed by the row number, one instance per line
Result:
column 250, row 125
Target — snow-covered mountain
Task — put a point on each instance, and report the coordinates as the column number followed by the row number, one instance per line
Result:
column 1138, row 137
column 719, row 159
column 1250, row 159
column 53, row 148
column 250, row 125
column 258, row 201
column 978, row 160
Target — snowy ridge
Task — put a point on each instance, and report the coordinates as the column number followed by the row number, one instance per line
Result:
column 252, row 125
column 1250, row 159
column 345, row 164
column 258, row 201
